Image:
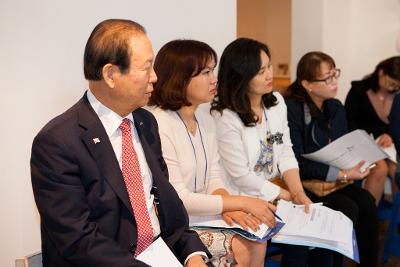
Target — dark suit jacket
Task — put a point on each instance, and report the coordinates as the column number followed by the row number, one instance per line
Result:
column 86, row 216
column 311, row 134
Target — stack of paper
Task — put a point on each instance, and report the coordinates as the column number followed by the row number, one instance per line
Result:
column 322, row 227
column 216, row 222
column 159, row 254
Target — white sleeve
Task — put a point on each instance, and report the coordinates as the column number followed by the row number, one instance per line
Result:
column 197, row 204
column 287, row 159
column 236, row 164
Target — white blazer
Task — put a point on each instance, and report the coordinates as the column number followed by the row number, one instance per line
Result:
column 178, row 154
column 239, row 148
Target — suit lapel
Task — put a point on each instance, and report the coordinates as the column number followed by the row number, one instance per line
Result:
column 97, row 142
column 151, row 159
column 155, row 162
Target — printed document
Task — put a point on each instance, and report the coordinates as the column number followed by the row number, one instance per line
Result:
column 159, row 254
column 391, row 152
column 216, row 222
column 321, row 227
column 348, row 150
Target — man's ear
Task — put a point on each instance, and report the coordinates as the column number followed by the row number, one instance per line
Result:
column 108, row 75
column 306, row 85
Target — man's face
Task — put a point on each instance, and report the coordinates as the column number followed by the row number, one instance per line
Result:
column 133, row 88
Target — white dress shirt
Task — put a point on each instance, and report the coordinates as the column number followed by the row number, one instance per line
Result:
column 111, row 122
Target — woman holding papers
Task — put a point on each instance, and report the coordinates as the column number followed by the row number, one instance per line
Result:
column 368, row 105
column 185, row 70
column 315, row 119
column 252, row 132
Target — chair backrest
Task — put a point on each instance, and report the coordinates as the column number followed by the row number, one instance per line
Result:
column 32, row 260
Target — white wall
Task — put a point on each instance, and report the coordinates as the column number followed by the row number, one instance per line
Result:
column 356, row 33
column 41, row 51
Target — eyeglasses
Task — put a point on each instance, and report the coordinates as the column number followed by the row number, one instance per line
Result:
column 392, row 84
column 335, row 74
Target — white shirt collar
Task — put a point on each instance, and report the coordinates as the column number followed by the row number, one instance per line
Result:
column 110, row 119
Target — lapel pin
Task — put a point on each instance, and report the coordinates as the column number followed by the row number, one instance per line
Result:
column 96, row 140
column 140, row 123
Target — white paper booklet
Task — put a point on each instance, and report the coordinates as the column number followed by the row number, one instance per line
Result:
column 322, row 227
column 348, row 150
column 391, row 152
column 216, row 222
column 159, row 254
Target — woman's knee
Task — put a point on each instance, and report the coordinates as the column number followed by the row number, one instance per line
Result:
column 248, row 253
column 380, row 171
column 366, row 203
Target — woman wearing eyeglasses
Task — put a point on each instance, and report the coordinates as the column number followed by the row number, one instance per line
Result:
column 368, row 105
column 315, row 119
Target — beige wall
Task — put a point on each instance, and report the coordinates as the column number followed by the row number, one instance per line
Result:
column 268, row 21
column 41, row 53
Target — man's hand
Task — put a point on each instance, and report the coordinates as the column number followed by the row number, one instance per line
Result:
column 196, row 261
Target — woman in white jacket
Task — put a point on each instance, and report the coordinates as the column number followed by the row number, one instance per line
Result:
column 252, row 131
column 186, row 80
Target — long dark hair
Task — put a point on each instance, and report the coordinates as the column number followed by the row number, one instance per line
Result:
column 239, row 63
column 390, row 67
column 308, row 69
column 176, row 63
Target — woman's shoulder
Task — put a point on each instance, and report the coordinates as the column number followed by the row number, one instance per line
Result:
column 163, row 117
column 293, row 104
column 226, row 117
column 334, row 103
column 225, row 114
column 358, row 87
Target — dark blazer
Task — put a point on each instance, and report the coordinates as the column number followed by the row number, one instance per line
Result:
column 311, row 134
column 86, row 216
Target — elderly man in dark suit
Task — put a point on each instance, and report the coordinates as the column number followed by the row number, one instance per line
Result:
column 98, row 176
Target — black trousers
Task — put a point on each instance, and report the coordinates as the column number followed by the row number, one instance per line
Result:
column 359, row 205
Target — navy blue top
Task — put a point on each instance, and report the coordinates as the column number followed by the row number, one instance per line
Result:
column 311, row 134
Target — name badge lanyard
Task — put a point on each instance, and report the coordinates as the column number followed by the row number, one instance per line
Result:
column 194, row 151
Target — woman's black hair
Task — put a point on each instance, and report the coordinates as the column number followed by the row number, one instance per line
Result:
column 240, row 62
column 390, row 67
